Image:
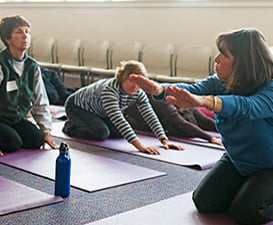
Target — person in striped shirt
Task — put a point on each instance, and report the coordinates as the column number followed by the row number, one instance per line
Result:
column 95, row 112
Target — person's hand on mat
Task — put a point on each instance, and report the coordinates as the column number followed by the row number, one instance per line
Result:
column 146, row 84
column 168, row 145
column 1, row 153
column 49, row 140
column 140, row 147
column 217, row 141
column 150, row 150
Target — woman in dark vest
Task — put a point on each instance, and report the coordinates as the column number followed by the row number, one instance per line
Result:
column 21, row 91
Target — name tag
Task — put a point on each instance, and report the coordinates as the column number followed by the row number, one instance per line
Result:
column 11, row 86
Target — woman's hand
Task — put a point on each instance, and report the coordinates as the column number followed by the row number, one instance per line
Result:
column 49, row 140
column 150, row 150
column 146, row 84
column 167, row 145
column 140, row 147
column 217, row 141
column 154, row 150
column 182, row 98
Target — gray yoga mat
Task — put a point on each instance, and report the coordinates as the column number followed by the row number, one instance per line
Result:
column 194, row 155
column 88, row 172
column 17, row 197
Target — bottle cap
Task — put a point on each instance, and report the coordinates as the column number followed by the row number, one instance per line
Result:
column 64, row 147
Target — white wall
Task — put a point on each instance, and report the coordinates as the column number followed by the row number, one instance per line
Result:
column 177, row 23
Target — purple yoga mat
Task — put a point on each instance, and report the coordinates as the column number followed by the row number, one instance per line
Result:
column 174, row 211
column 199, row 141
column 202, row 157
column 59, row 112
column 178, row 210
column 17, row 197
column 88, row 172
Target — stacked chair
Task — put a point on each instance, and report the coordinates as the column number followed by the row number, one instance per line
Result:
column 193, row 63
column 43, row 49
column 82, row 62
column 124, row 50
column 158, row 59
column 95, row 56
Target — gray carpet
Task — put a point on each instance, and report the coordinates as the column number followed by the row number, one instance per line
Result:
column 83, row 207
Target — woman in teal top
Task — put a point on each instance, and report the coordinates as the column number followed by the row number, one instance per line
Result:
column 241, row 95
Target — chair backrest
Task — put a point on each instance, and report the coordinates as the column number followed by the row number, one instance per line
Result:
column 271, row 48
column 42, row 49
column 194, row 61
column 124, row 50
column 95, row 53
column 68, row 51
column 158, row 58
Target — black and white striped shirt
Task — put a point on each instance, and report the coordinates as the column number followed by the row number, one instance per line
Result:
column 106, row 98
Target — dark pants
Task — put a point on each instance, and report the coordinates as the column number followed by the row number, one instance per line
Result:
column 87, row 125
column 23, row 134
column 249, row 200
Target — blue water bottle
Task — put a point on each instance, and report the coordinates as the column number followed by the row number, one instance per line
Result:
column 63, row 171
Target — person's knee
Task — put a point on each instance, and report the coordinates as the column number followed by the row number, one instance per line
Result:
column 209, row 202
column 87, row 133
column 35, row 141
column 200, row 203
column 10, row 140
column 251, row 214
column 11, row 147
column 101, row 134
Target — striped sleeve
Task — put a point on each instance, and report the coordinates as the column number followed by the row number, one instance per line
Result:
column 111, row 104
column 150, row 116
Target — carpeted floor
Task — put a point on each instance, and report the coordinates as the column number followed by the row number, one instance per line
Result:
column 83, row 207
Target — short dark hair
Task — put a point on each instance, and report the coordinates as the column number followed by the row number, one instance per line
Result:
column 9, row 23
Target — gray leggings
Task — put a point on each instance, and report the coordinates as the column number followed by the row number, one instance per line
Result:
column 249, row 200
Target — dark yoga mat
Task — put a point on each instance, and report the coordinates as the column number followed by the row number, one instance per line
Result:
column 201, row 157
column 17, row 197
column 88, row 172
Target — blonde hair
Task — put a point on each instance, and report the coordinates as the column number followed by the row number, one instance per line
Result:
column 129, row 67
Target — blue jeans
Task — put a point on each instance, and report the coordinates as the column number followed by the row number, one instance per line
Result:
column 249, row 200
